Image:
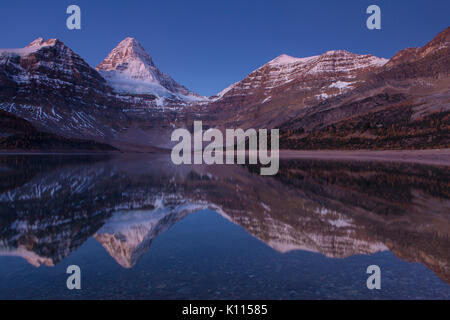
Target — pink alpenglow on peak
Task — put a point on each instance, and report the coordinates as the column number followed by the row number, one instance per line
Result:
column 333, row 66
column 34, row 46
column 130, row 69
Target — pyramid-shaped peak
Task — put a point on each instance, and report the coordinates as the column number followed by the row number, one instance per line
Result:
column 129, row 68
column 129, row 39
column 130, row 42
column 132, row 45
column 128, row 51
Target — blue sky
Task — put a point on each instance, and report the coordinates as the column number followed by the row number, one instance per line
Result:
column 207, row 44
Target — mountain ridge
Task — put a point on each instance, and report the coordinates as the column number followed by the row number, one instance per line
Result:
column 338, row 92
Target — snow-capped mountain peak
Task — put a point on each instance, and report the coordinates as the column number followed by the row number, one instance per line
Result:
column 34, row 46
column 340, row 68
column 131, row 59
column 129, row 68
column 285, row 59
column 40, row 42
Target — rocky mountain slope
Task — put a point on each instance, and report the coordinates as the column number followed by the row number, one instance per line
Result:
column 52, row 87
column 130, row 69
column 403, row 104
column 290, row 82
column 49, row 85
column 341, row 100
column 337, row 100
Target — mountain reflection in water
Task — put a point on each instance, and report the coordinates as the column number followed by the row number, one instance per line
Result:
column 51, row 205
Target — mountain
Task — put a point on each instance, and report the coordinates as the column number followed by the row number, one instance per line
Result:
column 316, row 78
column 272, row 93
column 431, row 60
column 403, row 104
column 342, row 100
column 59, row 64
column 53, row 88
column 129, row 69
column 336, row 100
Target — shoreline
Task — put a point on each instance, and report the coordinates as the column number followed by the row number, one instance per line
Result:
column 62, row 153
column 427, row 156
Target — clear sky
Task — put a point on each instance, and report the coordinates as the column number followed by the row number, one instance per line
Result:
column 208, row 44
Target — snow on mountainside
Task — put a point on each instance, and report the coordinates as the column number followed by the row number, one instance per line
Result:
column 275, row 92
column 52, row 87
column 47, row 63
column 130, row 69
column 49, row 85
column 285, row 69
column 34, row 46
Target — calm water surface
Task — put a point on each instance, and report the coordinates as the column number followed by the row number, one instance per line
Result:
column 141, row 228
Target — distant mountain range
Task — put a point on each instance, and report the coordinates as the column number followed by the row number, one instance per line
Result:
column 337, row 100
